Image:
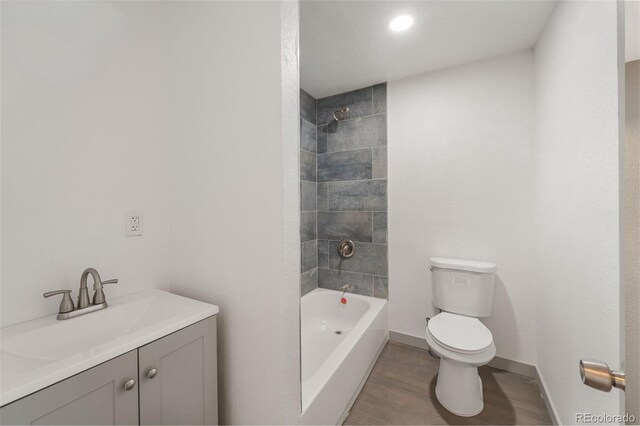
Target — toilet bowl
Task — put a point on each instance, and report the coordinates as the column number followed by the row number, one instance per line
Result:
column 463, row 291
column 463, row 344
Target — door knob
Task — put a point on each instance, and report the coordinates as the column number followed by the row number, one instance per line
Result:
column 130, row 384
column 598, row 375
column 152, row 373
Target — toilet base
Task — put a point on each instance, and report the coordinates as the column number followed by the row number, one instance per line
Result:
column 459, row 388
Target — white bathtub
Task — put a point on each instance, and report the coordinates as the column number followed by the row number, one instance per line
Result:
column 335, row 366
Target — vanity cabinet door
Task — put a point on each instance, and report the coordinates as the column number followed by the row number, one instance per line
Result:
column 178, row 377
column 94, row 397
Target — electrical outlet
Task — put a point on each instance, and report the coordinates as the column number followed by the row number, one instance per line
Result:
column 134, row 224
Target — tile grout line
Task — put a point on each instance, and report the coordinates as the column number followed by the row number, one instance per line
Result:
column 372, row 103
column 313, row 124
column 359, row 242
column 365, row 275
column 307, row 151
column 369, row 277
column 316, row 194
column 347, row 120
column 350, row 180
column 373, row 237
column 349, row 211
column 350, row 150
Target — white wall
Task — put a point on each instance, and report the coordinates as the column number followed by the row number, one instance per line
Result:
column 461, row 186
column 84, row 139
column 290, row 318
column 227, row 195
column 632, row 30
column 577, row 163
column 175, row 109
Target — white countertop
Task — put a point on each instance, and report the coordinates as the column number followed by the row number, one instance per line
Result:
column 39, row 353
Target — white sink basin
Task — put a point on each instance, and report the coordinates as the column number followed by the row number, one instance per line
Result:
column 41, row 352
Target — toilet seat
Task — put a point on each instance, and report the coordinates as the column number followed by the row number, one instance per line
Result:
column 458, row 333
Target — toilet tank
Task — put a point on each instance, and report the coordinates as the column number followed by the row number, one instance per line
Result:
column 463, row 286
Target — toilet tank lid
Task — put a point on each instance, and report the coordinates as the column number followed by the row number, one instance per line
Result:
column 463, row 265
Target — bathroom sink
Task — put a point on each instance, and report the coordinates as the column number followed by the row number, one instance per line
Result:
column 38, row 353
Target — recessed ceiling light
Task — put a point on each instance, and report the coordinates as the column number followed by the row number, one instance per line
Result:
column 401, row 23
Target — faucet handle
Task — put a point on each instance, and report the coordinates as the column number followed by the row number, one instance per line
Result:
column 98, row 294
column 114, row 281
column 66, row 305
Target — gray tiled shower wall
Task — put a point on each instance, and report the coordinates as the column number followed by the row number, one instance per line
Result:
column 350, row 200
column 308, row 193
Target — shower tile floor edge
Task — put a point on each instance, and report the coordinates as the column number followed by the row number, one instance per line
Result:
column 401, row 390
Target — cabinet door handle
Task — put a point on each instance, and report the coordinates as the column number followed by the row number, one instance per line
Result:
column 152, row 373
column 130, row 384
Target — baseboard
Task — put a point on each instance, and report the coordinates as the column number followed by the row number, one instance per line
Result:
column 505, row 364
column 546, row 398
column 512, row 366
column 409, row 340
column 500, row 363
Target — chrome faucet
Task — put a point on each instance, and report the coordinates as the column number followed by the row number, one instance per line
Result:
column 344, row 289
column 84, row 306
column 98, row 294
column 83, row 293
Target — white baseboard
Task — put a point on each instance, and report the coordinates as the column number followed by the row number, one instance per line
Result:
column 512, row 366
column 505, row 364
column 500, row 363
column 407, row 339
column 551, row 408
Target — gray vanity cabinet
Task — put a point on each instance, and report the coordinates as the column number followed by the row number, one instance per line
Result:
column 95, row 396
column 181, row 389
column 178, row 378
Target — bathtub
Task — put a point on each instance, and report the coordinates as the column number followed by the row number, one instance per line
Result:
column 340, row 345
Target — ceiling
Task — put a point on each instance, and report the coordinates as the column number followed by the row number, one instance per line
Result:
column 345, row 45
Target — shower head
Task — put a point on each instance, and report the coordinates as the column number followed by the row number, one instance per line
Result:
column 341, row 114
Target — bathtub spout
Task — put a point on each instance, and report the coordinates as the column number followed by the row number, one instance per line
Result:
column 344, row 289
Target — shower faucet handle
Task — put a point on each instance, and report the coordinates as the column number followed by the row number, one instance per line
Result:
column 346, row 248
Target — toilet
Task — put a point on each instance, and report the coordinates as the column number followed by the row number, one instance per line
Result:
column 463, row 291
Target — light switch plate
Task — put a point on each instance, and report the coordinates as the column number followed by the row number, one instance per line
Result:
column 134, row 223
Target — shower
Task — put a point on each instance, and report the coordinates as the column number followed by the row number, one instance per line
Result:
column 341, row 114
